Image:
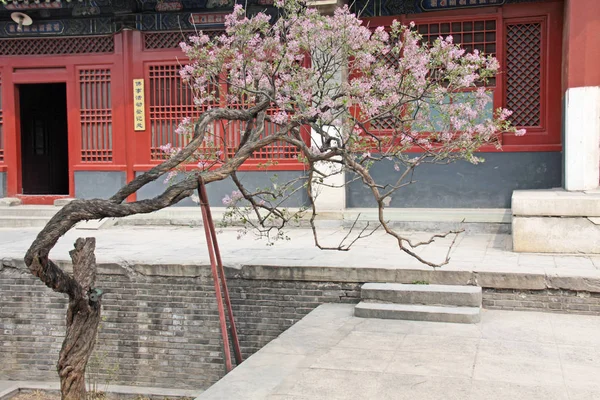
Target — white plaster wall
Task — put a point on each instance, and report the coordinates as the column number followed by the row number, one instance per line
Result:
column 582, row 138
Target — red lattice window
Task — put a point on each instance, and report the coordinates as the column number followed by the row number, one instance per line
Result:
column 170, row 40
column 96, row 115
column 171, row 101
column 279, row 150
column 58, row 45
column 524, row 73
column 470, row 34
column 1, row 126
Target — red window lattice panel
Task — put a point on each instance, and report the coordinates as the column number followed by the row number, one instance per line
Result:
column 170, row 40
column 471, row 34
column 59, row 45
column 96, row 115
column 1, row 126
column 524, row 73
column 171, row 101
column 279, row 150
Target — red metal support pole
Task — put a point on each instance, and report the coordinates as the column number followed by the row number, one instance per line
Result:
column 213, row 268
column 221, row 270
column 218, row 273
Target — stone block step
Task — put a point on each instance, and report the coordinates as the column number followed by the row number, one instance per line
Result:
column 415, row 312
column 446, row 295
column 158, row 221
column 23, row 222
column 28, row 211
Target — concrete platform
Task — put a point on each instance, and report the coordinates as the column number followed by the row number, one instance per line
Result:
column 331, row 355
column 485, row 260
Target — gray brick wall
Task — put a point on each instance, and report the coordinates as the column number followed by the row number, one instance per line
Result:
column 550, row 300
column 160, row 331
column 164, row 330
column 264, row 309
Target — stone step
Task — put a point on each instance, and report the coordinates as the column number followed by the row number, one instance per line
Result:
column 431, row 220
column 446, row 295
column 23, row 211
column 416, row 312
column 22, row 222
column 158, row 221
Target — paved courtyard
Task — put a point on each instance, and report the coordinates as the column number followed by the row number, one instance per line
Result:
column 331, row 355
column 187, row 245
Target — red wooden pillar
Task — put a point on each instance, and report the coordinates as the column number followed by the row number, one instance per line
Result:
column 581, row 86
column 128, row 61
column 581, row 65
column 11, row 130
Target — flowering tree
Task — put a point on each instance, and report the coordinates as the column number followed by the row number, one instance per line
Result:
column 289, row 74
column 331, row 74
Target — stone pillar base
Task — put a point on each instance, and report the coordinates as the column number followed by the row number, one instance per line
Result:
column 556, row 221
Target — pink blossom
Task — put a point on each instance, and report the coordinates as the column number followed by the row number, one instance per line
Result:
column 280, row 117
column 170, row 176
column 392, row 76
column 504, row 114
column 199, row 40
column 520, row 132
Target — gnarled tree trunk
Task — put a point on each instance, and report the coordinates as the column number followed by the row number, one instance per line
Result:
column 83, row 317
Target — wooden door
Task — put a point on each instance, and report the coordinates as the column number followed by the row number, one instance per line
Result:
column 44, row 150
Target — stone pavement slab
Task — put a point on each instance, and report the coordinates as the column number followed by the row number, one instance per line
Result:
column 330, row 354
column 483, row 259
column 7, row 387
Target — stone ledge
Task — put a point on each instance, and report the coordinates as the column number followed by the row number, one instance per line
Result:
column 555, row 235
column 9, row 202
column 555, row 203
column 192, row 215
column 500, row 278
column 63, row 202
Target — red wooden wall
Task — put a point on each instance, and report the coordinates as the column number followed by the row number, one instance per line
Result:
column 527, row 40
column 98, row 72
column 92, row 69
column 158, row 60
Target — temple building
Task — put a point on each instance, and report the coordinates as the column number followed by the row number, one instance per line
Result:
column 90, row 90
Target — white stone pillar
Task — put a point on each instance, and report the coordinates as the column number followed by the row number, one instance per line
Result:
column 582, row 138
column 331, row 194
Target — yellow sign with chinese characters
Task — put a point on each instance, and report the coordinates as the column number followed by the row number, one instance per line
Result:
column 139, row 111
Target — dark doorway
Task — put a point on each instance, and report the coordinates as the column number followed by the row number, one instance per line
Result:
column 44, row 149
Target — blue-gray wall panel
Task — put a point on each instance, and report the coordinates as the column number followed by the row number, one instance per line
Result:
column 2, row 184
column 463, row 185
column 251, row 180
column 98, row 184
